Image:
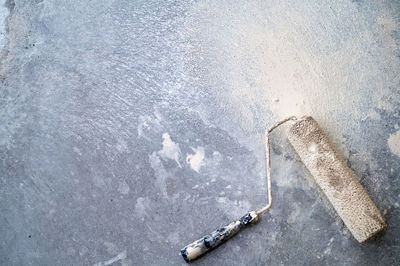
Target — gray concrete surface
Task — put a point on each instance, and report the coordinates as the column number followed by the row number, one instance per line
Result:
column 128, row 129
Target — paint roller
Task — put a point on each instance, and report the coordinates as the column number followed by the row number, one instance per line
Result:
column 331, row 173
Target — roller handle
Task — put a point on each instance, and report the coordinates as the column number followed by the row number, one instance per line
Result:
column 219, row 236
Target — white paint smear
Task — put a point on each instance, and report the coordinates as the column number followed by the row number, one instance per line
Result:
column 394, row 143
column 297, row 63
column 196, row 160
column 170, row 149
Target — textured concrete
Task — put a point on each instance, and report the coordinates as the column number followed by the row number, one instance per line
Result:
column 129, row 129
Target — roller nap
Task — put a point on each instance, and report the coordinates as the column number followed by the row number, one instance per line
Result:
column 336, row 179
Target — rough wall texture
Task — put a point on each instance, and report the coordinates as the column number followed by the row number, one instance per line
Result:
column 126, row 126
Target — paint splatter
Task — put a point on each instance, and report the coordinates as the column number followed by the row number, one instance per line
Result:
column 196, row 160
column 394, row 143
column 170, row 149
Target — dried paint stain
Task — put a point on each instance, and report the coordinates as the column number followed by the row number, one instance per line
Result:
column 170, row 149
column 394, row 143
column 196, row 160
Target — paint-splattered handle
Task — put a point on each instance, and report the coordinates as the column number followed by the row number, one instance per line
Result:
column 208, row 242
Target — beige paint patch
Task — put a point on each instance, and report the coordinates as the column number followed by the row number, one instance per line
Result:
column 394, row 143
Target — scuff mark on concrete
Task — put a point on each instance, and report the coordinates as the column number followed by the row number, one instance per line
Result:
column 120, row 256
